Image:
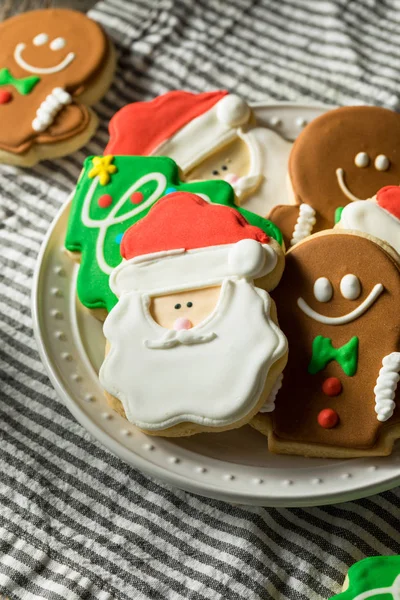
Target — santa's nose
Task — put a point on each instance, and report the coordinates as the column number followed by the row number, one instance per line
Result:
column 182, row 323
column 231, row 178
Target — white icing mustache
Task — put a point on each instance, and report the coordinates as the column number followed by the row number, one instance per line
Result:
column 185, row 337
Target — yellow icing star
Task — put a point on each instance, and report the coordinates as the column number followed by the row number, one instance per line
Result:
column 102, row 168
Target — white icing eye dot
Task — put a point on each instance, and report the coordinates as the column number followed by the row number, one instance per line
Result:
column 361, row 159
column 382, row 163
column 58, row 44
column 323, row 290
column 40, row 39
column 350, row 287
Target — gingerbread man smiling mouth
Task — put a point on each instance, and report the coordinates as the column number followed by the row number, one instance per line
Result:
column 39, row 40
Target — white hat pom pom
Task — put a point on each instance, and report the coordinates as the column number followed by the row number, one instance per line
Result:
column 233, row 111
column 249, row 258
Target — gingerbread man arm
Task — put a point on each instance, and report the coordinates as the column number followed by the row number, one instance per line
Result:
column 296, row 221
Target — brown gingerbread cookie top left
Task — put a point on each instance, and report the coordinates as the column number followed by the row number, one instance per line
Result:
column 53, row 63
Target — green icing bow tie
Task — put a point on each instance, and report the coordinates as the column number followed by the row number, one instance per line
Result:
column 24, row 85
column 323, row 352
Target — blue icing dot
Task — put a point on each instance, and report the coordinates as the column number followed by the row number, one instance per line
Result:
column 118, row 238
column 169, row 190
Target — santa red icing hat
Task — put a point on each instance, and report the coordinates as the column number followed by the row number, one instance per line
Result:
column 388, row 198
column 187, row 243
column 187, row 127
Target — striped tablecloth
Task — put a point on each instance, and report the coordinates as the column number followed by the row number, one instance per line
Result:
column 76, row 522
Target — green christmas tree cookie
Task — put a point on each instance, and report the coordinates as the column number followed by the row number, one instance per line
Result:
column 113, row 193
column 373, row 578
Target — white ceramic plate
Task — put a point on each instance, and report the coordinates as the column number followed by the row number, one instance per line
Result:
column 234, row 466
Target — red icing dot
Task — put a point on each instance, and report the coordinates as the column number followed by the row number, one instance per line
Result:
column 328, row 418
column 104, row 201
column 332, row 386
column 5, row 96
column 137, row 197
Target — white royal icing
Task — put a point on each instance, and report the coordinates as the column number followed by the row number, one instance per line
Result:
column 214, row 381
column 361, row 160
column 343, row 186
column 350, row 287
column 40, row 39
column 192, row 269
column 304, row 224
column 19, row 48
column 386, row 385
column 393, row 591
column 57, row 44
column 269, row 404
column 49, row 108
column 323, row 290
column 369, row 217
column 351, row 316
column 382, row 163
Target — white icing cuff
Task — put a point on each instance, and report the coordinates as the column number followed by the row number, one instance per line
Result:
column 304, row 225
column 386, row 385
column 49, row 108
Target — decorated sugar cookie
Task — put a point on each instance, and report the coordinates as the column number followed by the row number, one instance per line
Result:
column 48, row 78
column 344, row 156
column 193, row 343
column 338, row 304
column 211, row 136
column 374, row 578
column 113, row 193
column 379, row 216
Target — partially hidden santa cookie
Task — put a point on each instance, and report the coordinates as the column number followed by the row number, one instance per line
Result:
column 113, row 193
column 374, row 578
column 338, row 304
column 193, row 344
column 54, row 64
column 213, row 135
column 346, row 155
column 379, row 216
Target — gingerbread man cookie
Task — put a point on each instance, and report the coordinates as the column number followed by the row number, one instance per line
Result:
column 193, row 343
column 345, row 155
column 213, row 135
column 338, row 304
column 374, row 578
column 48, row 78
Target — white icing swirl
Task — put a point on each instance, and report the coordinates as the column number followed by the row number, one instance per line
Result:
column 386, row 384
column 304, row 225
column 49, row 108
column 269, row 404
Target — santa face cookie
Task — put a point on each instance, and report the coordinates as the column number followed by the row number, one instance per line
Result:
column 339, row 308
column 192, row 345
column 378, row 216
column 211, row 136
column 113, row 193
column 47, row 80
column 344, row 156
column 377, row 578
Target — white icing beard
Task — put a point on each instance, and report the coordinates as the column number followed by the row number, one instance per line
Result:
column 369, row 217
column 212, row 375
column 273, row 159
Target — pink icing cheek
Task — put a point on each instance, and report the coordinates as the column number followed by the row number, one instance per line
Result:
column 182, row 323
column 231, row 178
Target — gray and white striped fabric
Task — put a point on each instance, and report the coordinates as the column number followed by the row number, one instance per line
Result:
column 76, row 522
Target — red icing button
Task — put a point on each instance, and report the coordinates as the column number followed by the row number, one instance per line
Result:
column 5, row 96
column 332, row 386
column 137, row 197
column 104, row 201
column 328, row 418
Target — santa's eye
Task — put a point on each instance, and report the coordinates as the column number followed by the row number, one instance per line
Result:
column 350, row 287
column 215, row 173
column 58, row 44
column 382, row 163
column 40, row 39
column 323, row 290
column 224, row 168
column 189, row 304
column 177, row 306
column 361, row 160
